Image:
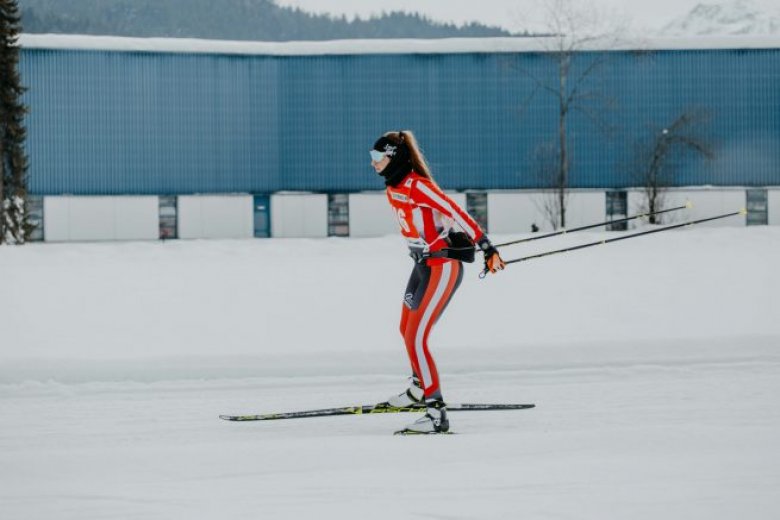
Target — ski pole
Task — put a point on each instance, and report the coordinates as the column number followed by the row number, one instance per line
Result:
column 591, row 226
column 742, row 211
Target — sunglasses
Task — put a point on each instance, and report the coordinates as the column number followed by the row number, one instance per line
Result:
column 377, row 156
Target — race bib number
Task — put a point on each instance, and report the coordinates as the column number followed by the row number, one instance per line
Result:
column 401, row 215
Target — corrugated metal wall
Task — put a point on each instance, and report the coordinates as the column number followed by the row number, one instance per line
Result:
column 104, row 122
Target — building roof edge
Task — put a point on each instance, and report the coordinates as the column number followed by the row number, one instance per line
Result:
column 379, row 46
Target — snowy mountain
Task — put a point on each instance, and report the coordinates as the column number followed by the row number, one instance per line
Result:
column 738, row 17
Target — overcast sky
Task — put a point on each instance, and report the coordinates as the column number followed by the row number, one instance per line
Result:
column 514, row 15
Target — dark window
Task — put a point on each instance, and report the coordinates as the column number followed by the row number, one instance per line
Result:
column 477, row 207
column 35, row 212
column 338, row 215
column 617, row 208
column 262, row 216
column 757, row 214
column 168, row 220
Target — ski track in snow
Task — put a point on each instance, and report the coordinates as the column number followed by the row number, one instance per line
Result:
column 696, row 441
column 655, row 382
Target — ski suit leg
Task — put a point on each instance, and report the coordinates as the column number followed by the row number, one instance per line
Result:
column 428, row 293
column 415, row 290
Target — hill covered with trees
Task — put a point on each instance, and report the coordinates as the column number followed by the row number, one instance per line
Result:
column 260, row 20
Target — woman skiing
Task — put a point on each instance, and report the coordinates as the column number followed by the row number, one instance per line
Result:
column 440, row 236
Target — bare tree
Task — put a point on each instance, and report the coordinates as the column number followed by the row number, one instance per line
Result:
column 573, row 30
column 554, row 197
column 655, row 160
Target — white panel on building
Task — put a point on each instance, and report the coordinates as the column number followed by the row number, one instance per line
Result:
column 586, row 207
column 636, row 203
column 516, row 212
column 92, row 218
column 707, row 202
column 370, row 214
column 75, row 218
column 773, row 207
column 299, row 215
column 137, row 218
column 215, row 216
column 56, row 219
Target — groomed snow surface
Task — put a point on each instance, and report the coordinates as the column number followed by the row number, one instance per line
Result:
column 654, row 364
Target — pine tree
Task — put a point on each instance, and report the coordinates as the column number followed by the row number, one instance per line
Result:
column 14, row 220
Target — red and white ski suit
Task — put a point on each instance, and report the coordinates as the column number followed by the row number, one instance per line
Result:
column 426, row 216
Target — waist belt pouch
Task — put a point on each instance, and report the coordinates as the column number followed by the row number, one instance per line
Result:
column 460, row 247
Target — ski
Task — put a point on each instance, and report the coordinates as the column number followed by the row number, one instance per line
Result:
column 372, row 409
column 412, row 432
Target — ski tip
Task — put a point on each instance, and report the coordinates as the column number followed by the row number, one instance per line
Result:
column 237, row 418
column 688, row 204
column 743, row 211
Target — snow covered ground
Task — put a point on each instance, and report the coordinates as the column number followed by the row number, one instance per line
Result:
column 654, row 364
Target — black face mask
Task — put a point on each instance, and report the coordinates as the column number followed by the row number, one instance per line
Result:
column 395, row 171
column 400, row 161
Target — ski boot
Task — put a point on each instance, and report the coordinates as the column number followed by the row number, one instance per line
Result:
column 412, row 396
column 434, row 421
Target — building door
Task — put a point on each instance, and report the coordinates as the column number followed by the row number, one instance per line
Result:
column 262, row 216
column 35, row 211
column 757, row 214
column 617, row 208
column 338, row 215
column 477, row 207
column 168, row 217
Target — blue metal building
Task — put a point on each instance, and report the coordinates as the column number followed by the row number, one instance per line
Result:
column 111, row 116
